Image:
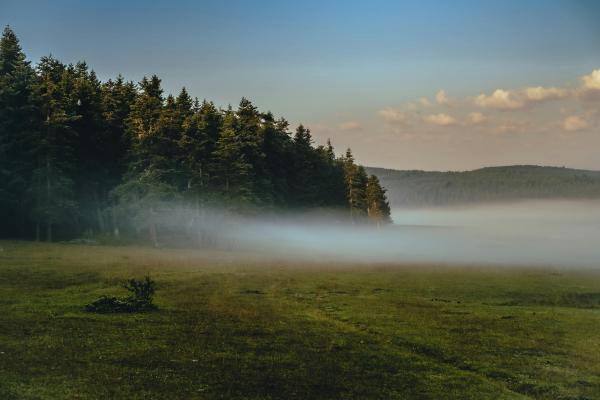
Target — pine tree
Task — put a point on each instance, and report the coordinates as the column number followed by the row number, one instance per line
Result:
column 118, row 97
column 378, row 208
column 91, row 148
column 52, row 182
column 233, row 170
column 151, row 181
column 304, row 182
column 185, row 105
column 152, row 129
column 356, row 185
column 200, row 132
column 278, row 151
column 330, row 178
column 19, row 125
column 251, row 139
column 141, row 125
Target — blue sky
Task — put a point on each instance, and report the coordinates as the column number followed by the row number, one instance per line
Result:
column 335, row 65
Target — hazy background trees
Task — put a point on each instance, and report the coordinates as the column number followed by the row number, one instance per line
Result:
column 490, row 184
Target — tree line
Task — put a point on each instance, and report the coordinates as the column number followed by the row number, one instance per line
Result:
column 490, row 184
column 80, row 156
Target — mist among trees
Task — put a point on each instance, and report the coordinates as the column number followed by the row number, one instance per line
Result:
column 83, row 157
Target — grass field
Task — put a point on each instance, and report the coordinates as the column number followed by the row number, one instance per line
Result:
column 239, row 326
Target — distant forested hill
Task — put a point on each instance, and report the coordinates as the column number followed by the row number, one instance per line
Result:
column 421, row 188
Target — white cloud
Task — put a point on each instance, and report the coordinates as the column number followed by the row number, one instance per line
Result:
column 394, row 116
column 440, row 119
column 589, row 89
column 591, row 81
column 513, row 126
column 517, row 99
column 475, row 118
column 425, row 102
column 574, row 123
column 500, row 99
column 587, row 92
column 540, row 93
column 442, row 98
column 350, row 126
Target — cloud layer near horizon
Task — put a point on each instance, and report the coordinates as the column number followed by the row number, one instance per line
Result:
column 584, row 98
column 532, row 124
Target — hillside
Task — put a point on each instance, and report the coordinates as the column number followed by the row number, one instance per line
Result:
column 423, row 188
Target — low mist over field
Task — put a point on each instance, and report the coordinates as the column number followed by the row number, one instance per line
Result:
column 555, row 233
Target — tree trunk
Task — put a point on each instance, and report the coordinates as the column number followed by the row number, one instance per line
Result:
column 153, row 235
column 101, row 226
column 48, row 193
column 116, row 232
column 198, row 225
column 49, row 232
column 19, row 220
column 99, row 217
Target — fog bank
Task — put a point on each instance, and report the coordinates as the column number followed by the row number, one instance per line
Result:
column 532, row 233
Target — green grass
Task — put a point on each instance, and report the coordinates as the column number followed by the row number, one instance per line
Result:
column 239, row 326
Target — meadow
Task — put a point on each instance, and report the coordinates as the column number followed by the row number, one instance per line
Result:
column 237, row 325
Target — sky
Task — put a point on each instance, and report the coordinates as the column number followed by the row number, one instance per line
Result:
column 433, row 85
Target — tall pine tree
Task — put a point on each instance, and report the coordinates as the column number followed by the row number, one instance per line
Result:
column 52, row 181
column 233, row 171
column 19, row 126
column 90, row 149
column 378, row 208
column 356, row 185
column 150, row 184
column 200, row 132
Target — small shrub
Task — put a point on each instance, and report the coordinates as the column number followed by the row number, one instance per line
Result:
column 141, row 291
column 140, row 299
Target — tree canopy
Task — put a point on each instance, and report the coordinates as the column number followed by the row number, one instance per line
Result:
column 79, row 156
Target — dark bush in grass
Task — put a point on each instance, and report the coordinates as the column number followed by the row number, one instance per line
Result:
column 140, row 299
column 110, row 304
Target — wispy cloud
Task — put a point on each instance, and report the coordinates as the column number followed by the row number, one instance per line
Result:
column 574, row 123
column 513, row 126
column 475, row 118
column 440, row 119
column 500, row 99
column 497, row 112
column 539, row 93
column 394, row 116
column 350, row 126
column 442, row 98
column 592, row 81
column 425, row 102
column 589, row 91
column 517, row 99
